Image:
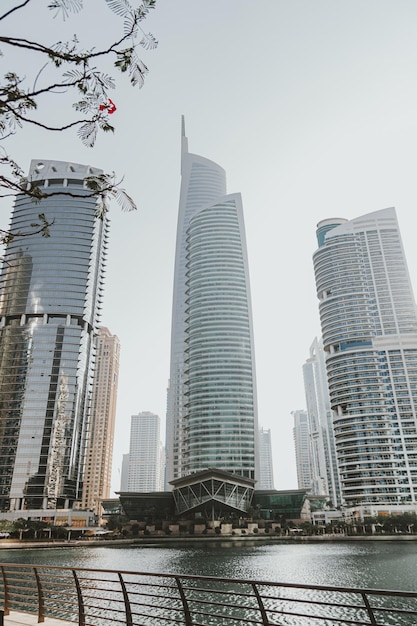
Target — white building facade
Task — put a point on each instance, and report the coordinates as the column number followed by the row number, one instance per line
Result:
column 325, row 473
column 266, row 470
column 303, row 462
column 369, row 327
column 144, row 462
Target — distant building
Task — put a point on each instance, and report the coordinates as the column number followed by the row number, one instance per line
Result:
column 325, row 475
column 369, row 326
column 98, row 463
column 266, row 471
column 302, row 449
column 124, row 477
column 144, row 465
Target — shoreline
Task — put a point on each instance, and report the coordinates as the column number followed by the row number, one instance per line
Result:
column 219, row 539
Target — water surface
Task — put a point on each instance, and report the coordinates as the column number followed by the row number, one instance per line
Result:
column 376, row 564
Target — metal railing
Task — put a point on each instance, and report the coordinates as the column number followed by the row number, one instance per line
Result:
column 90, row 597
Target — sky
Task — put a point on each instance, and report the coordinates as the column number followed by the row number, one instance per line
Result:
column 311, row 108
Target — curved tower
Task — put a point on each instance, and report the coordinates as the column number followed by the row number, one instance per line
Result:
column 369, row 325
column 202, row 181
column 211, row 417
column 49, row 310
column 219, row 369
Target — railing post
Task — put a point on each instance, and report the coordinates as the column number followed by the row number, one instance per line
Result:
column 41, row 599
column 128, row 610
column 6, row 607
column 187, row 614
column 81, row 612
column 261, row 605
column 369, row 609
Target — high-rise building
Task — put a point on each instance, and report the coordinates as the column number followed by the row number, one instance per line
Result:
column 124, row 474
column 145, row 463
column 202, row 182
column 266, row 470
column 302, row 450
column 211, row 414
column 369, row 326
column 50, row 292
column 98, row 460
column 325, row 473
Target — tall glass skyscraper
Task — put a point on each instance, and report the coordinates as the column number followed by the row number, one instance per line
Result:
column 50, row 293
column 369, row 325
column 211, row 418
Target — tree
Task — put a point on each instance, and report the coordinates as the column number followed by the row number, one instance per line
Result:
column 69, row 67
column 20, row 526
column 116, row 522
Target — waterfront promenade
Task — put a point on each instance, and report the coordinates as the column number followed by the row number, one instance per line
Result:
column 10, row 544
column 16, row 618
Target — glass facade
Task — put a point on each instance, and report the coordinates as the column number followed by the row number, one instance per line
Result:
column 202, row 198
column 369, row 326
column 202, row 182
column 49, row 304
column 219, row 382
column 274, row 504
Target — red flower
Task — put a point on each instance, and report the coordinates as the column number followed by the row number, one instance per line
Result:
column 110, row 107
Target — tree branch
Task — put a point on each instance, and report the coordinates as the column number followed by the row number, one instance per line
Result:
column 14, row 9
column 27, row 120
column 70, row 57
column 78, row 75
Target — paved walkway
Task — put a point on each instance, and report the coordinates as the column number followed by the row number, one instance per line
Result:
column 26, row 619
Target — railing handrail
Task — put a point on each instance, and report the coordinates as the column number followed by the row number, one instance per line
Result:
column 367, row 590
column 102, row 597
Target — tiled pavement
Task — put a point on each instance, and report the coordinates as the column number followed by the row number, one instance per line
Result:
column 25, row 619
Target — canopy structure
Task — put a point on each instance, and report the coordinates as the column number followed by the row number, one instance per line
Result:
column 212, row 488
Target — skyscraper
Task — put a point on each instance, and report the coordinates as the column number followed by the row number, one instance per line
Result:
column 302, row 450
column 98, row 461
column 325, row 473
column 369, row 325
column 266, row 471
column 145, row 462
column 211, row 416
column 49, row 311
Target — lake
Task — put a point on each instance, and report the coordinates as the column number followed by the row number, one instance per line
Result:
column 376, row 564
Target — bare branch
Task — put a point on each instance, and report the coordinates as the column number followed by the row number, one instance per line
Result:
column 20, row 6
column 41, row 228
column 45, row 126
column 70, row 57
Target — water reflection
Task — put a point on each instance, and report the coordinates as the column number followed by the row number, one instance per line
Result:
column 383, row 565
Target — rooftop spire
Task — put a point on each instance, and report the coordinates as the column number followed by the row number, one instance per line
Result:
column 184, row 140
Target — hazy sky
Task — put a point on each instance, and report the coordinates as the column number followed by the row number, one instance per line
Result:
column 311, row 108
